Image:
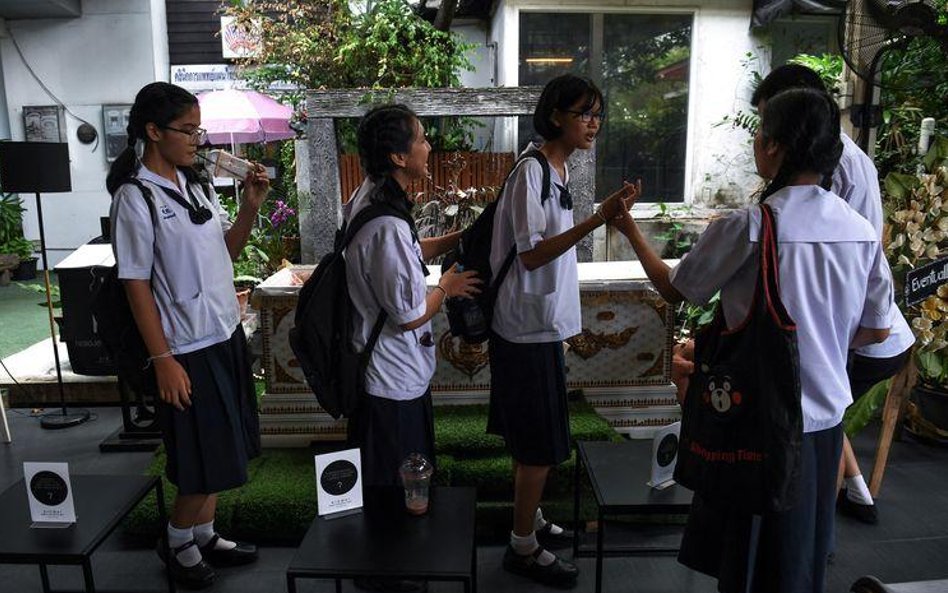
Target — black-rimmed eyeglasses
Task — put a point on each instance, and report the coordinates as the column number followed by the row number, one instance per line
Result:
column 196, row 136
column 588, row 116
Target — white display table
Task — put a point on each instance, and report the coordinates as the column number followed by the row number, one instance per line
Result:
column 621, row 361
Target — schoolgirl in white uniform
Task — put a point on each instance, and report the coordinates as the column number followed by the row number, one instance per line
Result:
column 836, row 286
column 856, row 181
column 386, row 272
column 174, row 256
column 537, row 308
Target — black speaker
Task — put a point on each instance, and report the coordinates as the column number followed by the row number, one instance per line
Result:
column 34, row 167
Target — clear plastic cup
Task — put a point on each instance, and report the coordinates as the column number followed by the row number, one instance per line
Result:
column 416, row 472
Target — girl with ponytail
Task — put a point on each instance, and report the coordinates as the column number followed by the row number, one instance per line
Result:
column 174, row 247
column 386, row 276
column 836, row 286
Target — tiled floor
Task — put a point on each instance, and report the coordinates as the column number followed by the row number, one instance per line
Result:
column 910, row 543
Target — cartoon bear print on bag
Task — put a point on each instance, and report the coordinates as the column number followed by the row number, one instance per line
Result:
column 721, row 395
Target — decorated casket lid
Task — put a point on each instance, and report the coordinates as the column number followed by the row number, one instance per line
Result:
column 615, row 275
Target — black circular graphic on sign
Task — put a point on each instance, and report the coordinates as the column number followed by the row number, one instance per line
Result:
column 49, row 488
column 667, row 450
column 339, row 477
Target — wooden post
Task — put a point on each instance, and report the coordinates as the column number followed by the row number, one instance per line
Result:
column 322, row 212
column 899, row 389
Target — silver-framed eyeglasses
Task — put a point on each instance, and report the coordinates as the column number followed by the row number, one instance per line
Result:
column 196, row 136
column 588, row 116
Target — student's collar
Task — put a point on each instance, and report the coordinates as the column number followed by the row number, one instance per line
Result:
column 146, row 174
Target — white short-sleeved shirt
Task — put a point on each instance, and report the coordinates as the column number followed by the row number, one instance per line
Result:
column 856, row 180
column 383, row 270
column 833, row 279
column 191, row 273
column 540, row 305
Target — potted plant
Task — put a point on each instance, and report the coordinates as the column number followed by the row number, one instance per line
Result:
column 918, row 235
column 23, row 249
column 11, row 212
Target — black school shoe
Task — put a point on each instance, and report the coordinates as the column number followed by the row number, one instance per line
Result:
column 244, row 553
column 199, row 576
column 864, row 513
column 561, row 573
column 547, row 539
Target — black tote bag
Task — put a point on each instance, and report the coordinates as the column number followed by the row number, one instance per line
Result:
column 742, row 423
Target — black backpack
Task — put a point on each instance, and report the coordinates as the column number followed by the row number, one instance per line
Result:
column 115, row 325
column 321, row 337
column 470, row 318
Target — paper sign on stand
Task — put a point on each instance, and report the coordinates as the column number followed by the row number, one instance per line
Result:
column 664, row 456
column 50, row 494
column 339, row 483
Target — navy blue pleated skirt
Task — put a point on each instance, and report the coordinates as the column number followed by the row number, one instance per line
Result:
column 528, row 400
column 783, row 552
column 387, row 431
column 209, row 444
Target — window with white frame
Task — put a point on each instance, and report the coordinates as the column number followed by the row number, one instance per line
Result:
column 642, row 63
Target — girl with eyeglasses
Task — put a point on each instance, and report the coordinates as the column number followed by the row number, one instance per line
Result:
column 174, row 246
column 537, row 308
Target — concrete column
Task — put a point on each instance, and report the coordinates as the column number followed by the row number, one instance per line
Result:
column 159, row 40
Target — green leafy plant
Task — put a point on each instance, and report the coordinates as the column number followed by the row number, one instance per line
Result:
column 11, row 217
column 828, row 66
column 326, row 44
column 18, row 246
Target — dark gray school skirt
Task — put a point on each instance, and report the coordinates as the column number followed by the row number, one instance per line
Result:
column 778, row 552
column 388, row 431
column 209, row 444
column 528, row 400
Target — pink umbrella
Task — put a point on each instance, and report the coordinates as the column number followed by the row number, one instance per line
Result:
column 239, row 117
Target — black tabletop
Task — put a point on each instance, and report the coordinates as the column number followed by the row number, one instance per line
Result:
column 384, row 540
column 101, row 502
column 619, row 472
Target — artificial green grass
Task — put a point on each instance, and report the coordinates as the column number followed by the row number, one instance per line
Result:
column 278, row 503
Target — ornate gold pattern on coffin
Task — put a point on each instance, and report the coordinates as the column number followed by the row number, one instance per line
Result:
column 467, row 358
column 588, row 344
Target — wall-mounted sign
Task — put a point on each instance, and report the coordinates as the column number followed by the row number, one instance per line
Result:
column 923, row 282
column 214, row 77
column 664, row 456
column 44, row 123
column 50, row 494
column 115, row 124
column 339, row 482
column 239, row 41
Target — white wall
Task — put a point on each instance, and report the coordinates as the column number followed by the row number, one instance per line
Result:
column 719, row 85
column 103, row 57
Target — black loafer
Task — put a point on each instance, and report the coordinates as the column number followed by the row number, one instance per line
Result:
column 547, row 539
column 243, row 553
column 560, row 573
column 199, row 576
column 864, row 513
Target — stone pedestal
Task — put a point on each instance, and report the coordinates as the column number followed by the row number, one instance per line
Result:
column 621, row 360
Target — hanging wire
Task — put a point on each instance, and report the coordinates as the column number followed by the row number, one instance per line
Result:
column 46, row 88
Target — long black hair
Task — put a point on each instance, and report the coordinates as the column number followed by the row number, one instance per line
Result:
column 159, row 103
column 561, row 94
column 383, row 131
column 805, row 123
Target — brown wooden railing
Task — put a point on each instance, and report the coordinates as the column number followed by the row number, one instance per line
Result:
column 460, row 169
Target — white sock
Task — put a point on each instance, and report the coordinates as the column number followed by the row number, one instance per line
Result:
column 179, row 537
column 527, row 544
column 539, row 523
column 205, row 531
column 857, row 491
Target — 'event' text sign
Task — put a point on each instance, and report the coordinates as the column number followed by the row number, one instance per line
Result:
column 922, row 282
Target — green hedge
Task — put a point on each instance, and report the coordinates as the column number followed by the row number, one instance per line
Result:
column 278, row 503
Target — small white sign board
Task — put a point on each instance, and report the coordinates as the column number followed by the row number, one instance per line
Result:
column 50, row 494
column 664, row 456
column 339, row 482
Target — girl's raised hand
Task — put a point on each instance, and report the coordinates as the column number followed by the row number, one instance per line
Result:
column 256, row 186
